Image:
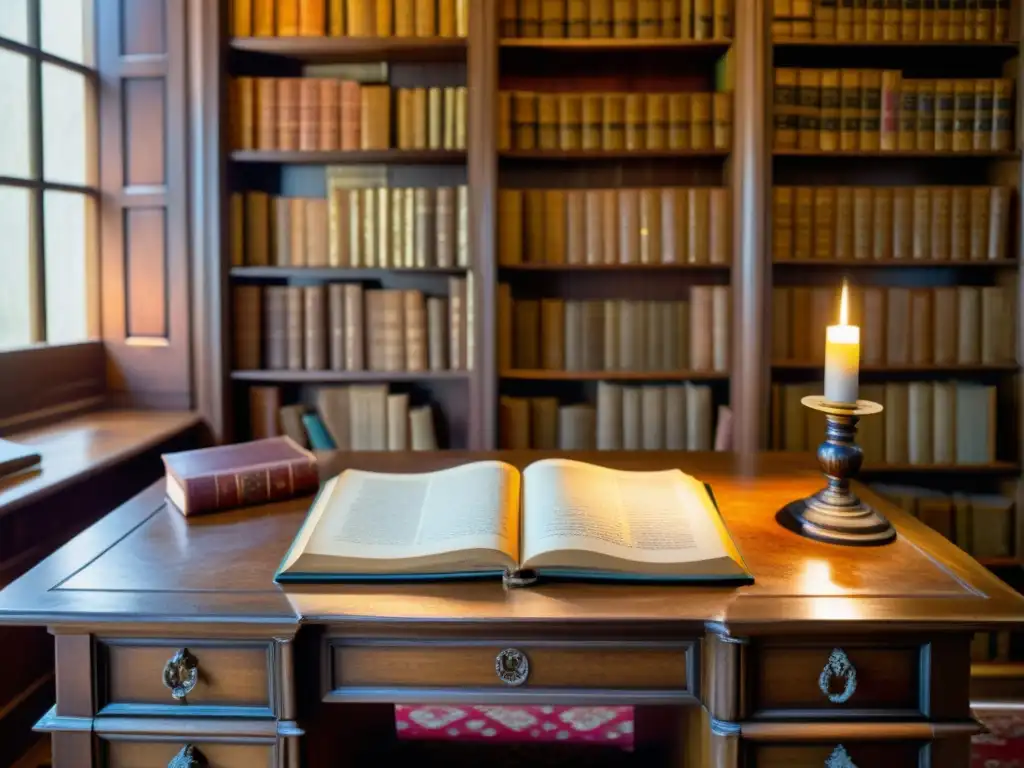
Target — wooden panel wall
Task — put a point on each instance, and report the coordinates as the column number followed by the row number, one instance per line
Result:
column 144, row 219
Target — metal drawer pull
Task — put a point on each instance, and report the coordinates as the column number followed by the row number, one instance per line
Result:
column 512, row 666
column 838, row 666
column 188, row 757
column 839, row 759
column 181, row 672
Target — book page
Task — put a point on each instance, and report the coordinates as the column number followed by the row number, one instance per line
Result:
column 644, row 517
column 370, row 515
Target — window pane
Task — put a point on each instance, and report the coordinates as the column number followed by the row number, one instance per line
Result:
column 67, row 228
column 64, row 126
column 15, row 155
column 14, row 20
column 62, row 29
column 15, row 264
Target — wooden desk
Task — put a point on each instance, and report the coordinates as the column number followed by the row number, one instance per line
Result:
column 301, row 675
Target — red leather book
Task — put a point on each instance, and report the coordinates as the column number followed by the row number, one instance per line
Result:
column 239, row 475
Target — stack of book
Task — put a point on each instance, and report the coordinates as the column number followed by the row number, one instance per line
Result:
column 984, row 21
column 675, row 417
column 371, row 227
column 615, row 335
column 961, row 325
column 853, row 110
column 344, row 327
column 350, row 18
column 672, row 225
column 357, row 417
column 323, row 114
column 700, row 20
column 941, row 223
column 614, row 121
column 980, row 524
column 924, row 422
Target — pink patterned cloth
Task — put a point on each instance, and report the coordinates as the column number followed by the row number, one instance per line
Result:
column 573, row 725
column 1002, row 743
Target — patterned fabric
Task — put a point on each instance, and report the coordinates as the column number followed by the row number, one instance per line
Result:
column 1002, row 743
column 605, row 725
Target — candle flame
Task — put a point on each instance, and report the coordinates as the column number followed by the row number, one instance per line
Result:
column 843, row 309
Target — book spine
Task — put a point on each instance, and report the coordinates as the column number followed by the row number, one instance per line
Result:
column 225, row 490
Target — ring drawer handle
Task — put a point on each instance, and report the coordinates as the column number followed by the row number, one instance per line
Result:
column 181, row 672
column 839, row 665
column 512, row 666
column 188, row 757
column 839, row 758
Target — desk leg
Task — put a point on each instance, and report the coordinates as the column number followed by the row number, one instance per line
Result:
column 705, row 742
column 71, row 750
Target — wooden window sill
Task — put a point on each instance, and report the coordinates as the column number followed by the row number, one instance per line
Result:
column 85, row 445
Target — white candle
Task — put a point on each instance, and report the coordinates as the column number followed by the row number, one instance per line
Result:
column 842, row 358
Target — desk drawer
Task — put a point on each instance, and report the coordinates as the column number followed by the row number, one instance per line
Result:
column 511, row 666
column 234, row 677
column 158, row 754
column 877, row 754
column 823, row 679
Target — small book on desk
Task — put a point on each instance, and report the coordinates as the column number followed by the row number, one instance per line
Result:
column 557, row 519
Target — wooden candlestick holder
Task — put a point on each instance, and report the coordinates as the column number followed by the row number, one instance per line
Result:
column 836, row 514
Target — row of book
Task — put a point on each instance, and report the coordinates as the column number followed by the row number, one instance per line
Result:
column 683, row 19
column 923, row 20
column 371, row 227
column 350, row 18
column 677, row 417
column 961, row 325
column 669, row 225
column 356, row 417
column 980, row 524
column 615, row 335
column 319, row 113
column 346, row 327
column 871, row 109
column 614, row 121
column 885, row 223
column 923, row 423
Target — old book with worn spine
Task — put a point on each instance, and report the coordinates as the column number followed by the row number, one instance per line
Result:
column 241, row 474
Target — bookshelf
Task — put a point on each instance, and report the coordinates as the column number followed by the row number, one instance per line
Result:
column 492, row 59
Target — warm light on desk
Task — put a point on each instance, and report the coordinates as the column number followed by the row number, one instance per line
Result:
column 842, row 357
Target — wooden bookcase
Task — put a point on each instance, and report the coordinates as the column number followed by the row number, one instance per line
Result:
column 489, row 63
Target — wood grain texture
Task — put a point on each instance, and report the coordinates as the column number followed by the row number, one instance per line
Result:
column 131, row 676
column 453, row 666
column 225, row 564
column 144, row 218
column 87, row 444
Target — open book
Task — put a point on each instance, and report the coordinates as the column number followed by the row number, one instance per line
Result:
column 559, row 518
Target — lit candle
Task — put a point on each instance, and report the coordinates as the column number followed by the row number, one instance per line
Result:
column 842, row 357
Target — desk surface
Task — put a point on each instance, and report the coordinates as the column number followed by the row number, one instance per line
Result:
column 145, row 563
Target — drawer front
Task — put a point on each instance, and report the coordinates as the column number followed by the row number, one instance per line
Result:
column 235, row 675
column 877, row 754
column 159, row 754
column 521, row 666
column 826, row 679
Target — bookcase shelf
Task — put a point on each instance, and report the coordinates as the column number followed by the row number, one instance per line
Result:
column 332, row 377
column 348, row 49
column 544, row 375
column 862, row 45
column 352, row 157
column 614, row 44
column 860, row 154
column 574, row 155
column 897, row 263
column 929, row 368
column 993, row 468
column 337, row 273
column 614, row 267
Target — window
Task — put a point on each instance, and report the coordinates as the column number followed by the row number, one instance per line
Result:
column 48, row 191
